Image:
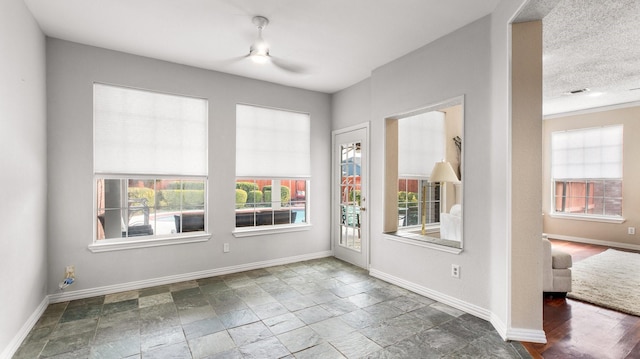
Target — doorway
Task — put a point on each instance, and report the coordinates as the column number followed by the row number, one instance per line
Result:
column 350, row 234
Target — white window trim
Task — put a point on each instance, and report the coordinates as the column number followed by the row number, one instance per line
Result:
column 394, row 236
column 108, row 245
column 297, row 173
column 429, row 228
column 421, row 243
column 241, row 232
column 114, row 244
column 587, row 217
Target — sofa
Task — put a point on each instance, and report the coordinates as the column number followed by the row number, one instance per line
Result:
column 556, row 270
column 451, row 224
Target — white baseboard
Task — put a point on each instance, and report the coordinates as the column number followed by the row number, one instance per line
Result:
column 594, row 241
column 110, row 289
column 527, row 335
column 440, row 297
column 499, row 325
column 517, row 334
column 15, row 343
column 13, row 346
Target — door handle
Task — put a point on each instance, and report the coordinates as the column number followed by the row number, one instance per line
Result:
column 363, row 209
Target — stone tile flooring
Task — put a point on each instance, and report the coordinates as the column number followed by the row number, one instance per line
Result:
column 322, row 308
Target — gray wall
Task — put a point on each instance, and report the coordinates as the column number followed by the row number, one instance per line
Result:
column 457, row 64
column 472, row 61
column 23, row 185
column 71, row 70
column 352, row 106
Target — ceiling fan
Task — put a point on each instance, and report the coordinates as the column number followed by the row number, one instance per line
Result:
column 259, row 50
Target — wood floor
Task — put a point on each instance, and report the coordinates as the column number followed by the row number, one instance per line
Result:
column 576, row 329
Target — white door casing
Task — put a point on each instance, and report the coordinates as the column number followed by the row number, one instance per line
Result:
column 350, row 230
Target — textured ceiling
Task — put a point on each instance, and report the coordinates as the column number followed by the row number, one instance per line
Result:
column 592, row 44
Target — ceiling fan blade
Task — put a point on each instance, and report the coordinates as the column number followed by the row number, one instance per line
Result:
column 259, row 50
column 288, row 66
column 231, row 61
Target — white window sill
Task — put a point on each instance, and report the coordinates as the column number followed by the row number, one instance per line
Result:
column 107, row 245
column 579, row 217
column 265, row 230
column 421, row 243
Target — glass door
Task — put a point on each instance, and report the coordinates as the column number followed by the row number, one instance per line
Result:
column 349, row 213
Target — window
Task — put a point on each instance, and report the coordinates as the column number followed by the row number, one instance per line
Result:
column 586, row 169
column 150, row 164
column 272, row 168
column 420, row 207
column 420, row 144
column 257, row 206
column 410, row 210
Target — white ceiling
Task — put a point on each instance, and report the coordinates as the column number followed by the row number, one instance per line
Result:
column 338, row 43
column 588, row 43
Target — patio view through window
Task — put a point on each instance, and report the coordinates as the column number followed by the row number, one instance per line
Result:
column 256, row 204
column 586, row 166
column 144, row 207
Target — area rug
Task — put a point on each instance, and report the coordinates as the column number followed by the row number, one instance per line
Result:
column 610, row 279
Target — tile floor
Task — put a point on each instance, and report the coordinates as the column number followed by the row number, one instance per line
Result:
column 322, row 308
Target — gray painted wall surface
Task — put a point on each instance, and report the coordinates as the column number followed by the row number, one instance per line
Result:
column 22, row 168
column 71, row 71
column 352, row 106
column 457, row 64
column 474, row 62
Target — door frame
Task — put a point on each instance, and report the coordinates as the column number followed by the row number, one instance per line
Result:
column 335, row 193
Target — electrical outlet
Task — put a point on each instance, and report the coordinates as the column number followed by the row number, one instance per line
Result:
column 455, row 271
column 631, row 230
column 225, row 248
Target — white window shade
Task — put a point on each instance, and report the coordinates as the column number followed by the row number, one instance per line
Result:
column 587, row 153
column 272, row 143
column 421, row 143
column 141, row 132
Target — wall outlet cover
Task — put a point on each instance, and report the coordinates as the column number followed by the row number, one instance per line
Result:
column 455, row 271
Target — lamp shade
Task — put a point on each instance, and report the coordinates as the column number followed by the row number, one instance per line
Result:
column 443, row 172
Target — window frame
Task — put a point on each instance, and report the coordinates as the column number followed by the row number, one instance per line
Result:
column 432, row 188
column 246, row 231
column 258, row 230
column 391, row 172
column 554, row 213
column 111, row 244
column 583, row 215
column 132, row 242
